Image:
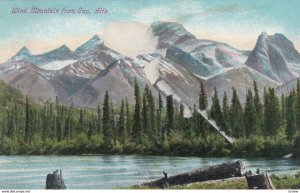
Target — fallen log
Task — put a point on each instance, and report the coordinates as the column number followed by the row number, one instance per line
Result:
column 55, row 181
column 222, row 171
column 259, row 181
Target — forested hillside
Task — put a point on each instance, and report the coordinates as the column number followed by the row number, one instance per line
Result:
column 264, row 127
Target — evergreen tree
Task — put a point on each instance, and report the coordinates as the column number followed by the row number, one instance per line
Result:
column 258, row 108
column 236, row 117
column 137, row 130
column 122, row 129
column 195, row 121
column 216, row 113
column 160, row 102
column 90, row 130
column 67, row 128
column 145, row 113
column 106, row 121
column 128, row 118
column 27, row 121
column 202, row 98
column 45, row 123
column 181, row 121
column 225, row 110
column 251, row 122
column 290, row 117
column 58, row 129
column 80, row 122
column 170, row 114
column 271, row 113
column 112, row 119
column 159, row 116
column 297, row 108
column 283, row 110
column 99, row 121
column 152, row 122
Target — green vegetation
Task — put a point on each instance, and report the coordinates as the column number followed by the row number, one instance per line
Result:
column 280, row 182
column 263, row 129
column 240, row 183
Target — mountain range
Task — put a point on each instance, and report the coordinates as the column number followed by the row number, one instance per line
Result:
column 177, row 66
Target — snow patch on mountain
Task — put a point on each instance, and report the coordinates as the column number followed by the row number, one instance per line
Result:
column 295, row 68
column 152, row 70
column 163, row 86
column 57, row 65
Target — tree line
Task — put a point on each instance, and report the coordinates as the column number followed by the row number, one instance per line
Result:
column 153, row 125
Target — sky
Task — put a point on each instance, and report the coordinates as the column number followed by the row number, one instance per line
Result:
column 125, row 27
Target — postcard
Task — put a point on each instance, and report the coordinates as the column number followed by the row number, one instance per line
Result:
column 133, row 95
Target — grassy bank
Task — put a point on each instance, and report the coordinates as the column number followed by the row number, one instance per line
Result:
column 280, row 182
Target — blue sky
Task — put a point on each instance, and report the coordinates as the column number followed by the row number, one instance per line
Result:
column 237, row 22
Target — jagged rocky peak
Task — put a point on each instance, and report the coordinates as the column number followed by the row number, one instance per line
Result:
column 169, row 27
column 271, row 55
column 24, row 51
column 64, row 48
column 22, row 54
column 169, row 32
column 277, row 39
column 89, row 45
column 282, row 44
column 95, row 37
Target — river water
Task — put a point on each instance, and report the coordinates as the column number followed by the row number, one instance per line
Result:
column 106, row 172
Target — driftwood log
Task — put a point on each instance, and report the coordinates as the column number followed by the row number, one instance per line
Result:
column 55, row 181
column 259, row 181
column 222, row 171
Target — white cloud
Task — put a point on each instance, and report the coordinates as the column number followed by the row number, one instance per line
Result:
column 129, row 38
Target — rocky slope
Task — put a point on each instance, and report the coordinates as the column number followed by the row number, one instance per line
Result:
column 178, row 65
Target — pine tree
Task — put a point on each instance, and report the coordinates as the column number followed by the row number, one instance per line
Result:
column 160, row 102
column 128, row 118
column 99, row 121
column 283, row 110
column 297, row 108
column 195, row 121
column 225, row 110
column 236, row 117
column 45, row 123
column 251, row 122
column 137, row 130
column 67, row 128
column 152, row 121
column 112, row 119
column 258, row 108
column 106, row 121
column 121, row 124
column 216, row 113
column 27, row 121
column 271, row 113
column 80, row 122
column 181, row 120
column 202, row 98
column 58, row 129
column 145, row 113
column 159, row 117
column 170, row 114
column 290, row 117
column 71, row 126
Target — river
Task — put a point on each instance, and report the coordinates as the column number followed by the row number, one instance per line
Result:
column 113, row 171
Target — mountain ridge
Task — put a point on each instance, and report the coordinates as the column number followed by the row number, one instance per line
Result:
column 179, row 64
